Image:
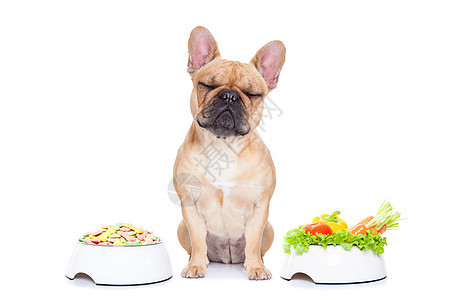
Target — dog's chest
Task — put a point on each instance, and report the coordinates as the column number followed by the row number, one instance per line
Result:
column 218, row 162
column 224, row 186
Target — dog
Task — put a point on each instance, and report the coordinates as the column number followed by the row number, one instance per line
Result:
column 227, row 222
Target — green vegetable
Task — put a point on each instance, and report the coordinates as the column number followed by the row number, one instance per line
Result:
column 385, row 216
column 300, row 241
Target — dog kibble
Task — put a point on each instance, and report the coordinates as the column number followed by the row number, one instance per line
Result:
column 121, row 234
column 126, row 236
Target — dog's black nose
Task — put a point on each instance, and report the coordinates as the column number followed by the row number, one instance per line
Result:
column 228, row 95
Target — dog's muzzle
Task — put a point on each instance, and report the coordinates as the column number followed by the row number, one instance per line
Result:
column 225, row 115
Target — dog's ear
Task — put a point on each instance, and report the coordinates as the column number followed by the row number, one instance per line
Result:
column 202, row 49
column 268, row 61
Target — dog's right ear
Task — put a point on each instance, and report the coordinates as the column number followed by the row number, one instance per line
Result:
column 202, row 49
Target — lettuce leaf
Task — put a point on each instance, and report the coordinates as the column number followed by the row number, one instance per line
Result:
column 298, row 240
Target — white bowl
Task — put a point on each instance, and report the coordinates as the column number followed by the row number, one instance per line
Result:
column 121, row 265
column 334, row 265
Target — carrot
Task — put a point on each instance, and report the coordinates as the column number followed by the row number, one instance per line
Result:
column 385, row 218
column 382, row 229
column 374, row 230
column 360, row 227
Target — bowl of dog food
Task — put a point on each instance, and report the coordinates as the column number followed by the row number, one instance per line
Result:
column 120, row 254
column 330, row 253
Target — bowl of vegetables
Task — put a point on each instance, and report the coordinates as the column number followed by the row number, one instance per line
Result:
column 329, row 252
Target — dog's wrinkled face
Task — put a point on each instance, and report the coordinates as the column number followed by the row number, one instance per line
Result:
column 228, row 94
column 227, row 99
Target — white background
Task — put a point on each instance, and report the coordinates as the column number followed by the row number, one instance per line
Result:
column 95, row 103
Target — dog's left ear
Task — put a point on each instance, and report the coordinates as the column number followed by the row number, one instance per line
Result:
column 268, row 61
column 202, row 49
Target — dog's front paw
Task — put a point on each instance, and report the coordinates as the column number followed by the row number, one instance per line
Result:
column 194, row 271
column 258, row 272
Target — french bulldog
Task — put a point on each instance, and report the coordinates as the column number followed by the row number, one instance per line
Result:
column 227, row 221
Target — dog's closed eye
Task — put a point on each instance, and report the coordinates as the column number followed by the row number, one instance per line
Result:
column 250, row 95
column 209, row 87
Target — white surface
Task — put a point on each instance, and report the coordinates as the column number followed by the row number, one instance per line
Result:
column 334, row 265
column 94, row 103
column 120, row 265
